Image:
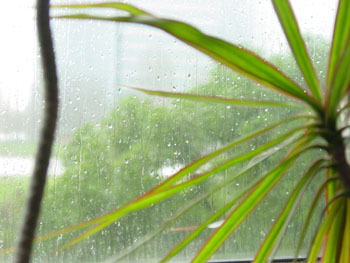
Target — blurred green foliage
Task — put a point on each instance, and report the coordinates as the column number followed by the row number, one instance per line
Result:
column 111, row 162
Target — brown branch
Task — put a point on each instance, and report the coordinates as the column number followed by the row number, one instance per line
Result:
column 36, row 192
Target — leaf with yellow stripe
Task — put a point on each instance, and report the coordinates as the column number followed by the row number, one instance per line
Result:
column 334, row 238
column 345, row 249
column 273, row 238
column 335, row 209
column 297, row 45
column 242, row 210
column 228, row 54
column 217, row 100
column 311, row 211
column 340, row 35
column 340, row 81
column 156, row 195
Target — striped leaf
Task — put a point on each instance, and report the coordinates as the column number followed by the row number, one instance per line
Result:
column 203, row 226
column 178, row 176
column 296, row 43
column 192, row 204
column 336, row 209
column 340, row 34
column 345, row 249
column 159, row 194
column 340, row 81
column 241, row 212
column 218, row 100
column 205, row 159
column 273, row 238
column 340, row 46
column 251, row 201
column 311, row 212
column 217, row 215
column 232, row 56
column 334, row 238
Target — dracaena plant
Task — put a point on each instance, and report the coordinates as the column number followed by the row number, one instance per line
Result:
column 326, row 103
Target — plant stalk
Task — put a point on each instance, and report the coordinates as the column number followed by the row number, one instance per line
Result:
column 25, row 244
column 341, row 165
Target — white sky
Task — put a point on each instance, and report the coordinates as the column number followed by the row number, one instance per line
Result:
column 17, row 52
column 18, row 45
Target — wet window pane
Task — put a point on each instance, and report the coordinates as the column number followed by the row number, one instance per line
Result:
column 115, row 143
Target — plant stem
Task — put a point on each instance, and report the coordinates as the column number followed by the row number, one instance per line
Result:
column 337, row 150
column 341, row 165
column 24, row 248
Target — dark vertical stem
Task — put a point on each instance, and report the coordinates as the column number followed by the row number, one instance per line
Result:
column 23, row 253
column 341, row 165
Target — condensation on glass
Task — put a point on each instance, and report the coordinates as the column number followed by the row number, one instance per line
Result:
column 114, row 143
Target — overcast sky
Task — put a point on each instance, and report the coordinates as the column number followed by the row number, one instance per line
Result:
column 229, row 19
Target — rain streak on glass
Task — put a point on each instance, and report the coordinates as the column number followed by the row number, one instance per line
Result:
column 114, row 143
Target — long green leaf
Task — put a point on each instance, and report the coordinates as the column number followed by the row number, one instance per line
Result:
column 242, row 211
column 115, row 5
column 332, row 187
column 218, row 100
column 334, row 238
column 345, row 250
column 203, row 226
column 214, row 217
column 251, row 201
column 228, row 54
column 292, row 32
column 311, row 212
column 335, row 209
column 340, row 43
column 193, row 203
column 340, row 81
column 154, row 197
column 176, row 177
column 159, row 229
column 272, row 240
column 200, row 162
column 340, row 35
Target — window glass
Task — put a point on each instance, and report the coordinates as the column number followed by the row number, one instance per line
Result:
column 114, row 143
